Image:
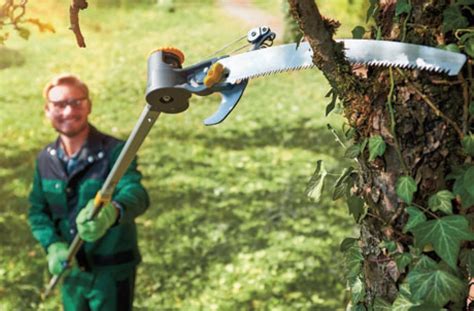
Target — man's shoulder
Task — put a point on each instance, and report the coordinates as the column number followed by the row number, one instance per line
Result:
column 108, row 141
column 48, row 150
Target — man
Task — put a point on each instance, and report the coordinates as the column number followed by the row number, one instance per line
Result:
column 68, row 174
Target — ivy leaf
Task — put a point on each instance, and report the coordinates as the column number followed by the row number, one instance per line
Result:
column 404, row 300
column 415, row 218
column 428, row 307
column 356, row 207
column 353, row 263
column 316, row 183
column 390, row 246
column 452, row 47
column 468, row 142
column 405, row 188
column 403, row 260
column 465, row 2
column 403, row 303
column 461, row 189
column 445, row 234
column 403, row 6
column 347, row 243
column 363, row 144
column 469, row 47
column 358, row 291
column 467, row 259
column 358, row 32
column 434, row 285
column 382, row 305
column 453, row 19
column 330, row 107
column 343, row 183
column 352, row 151
column 359, row 307
column 441, row 201
column 376, row 147
column 372, row 10
column 469, row 180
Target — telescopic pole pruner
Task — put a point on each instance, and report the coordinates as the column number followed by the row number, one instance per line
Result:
column 169, row 89
column 163, row 57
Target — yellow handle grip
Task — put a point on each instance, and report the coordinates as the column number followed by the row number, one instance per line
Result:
column 101, row 200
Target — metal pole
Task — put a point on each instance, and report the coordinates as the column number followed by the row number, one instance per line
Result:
column 134, row 141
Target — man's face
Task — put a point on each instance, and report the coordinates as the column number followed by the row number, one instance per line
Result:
column 68, row 109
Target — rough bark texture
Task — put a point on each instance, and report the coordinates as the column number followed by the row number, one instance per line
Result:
column 424, row 142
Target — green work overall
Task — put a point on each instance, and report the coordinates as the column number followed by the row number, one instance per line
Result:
column 105, row 269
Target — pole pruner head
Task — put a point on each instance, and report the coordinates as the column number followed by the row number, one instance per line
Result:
column 163, row 91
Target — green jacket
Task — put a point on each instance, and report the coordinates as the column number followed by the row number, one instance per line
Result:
column 57, row 198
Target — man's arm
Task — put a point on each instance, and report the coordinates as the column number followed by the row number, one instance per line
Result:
column 129, row 192
column 39, row 215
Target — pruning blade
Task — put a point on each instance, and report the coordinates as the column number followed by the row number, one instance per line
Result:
column 291, row 57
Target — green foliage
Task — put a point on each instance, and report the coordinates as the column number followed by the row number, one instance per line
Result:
column 469, row 180
column 463, row 185
column 467, row 259
column 446, row 235
column 381, row 305
column 405, row 188
column 416, row 217
column 316, row 183
column 343, row 184
column 469, row 45
column 468, row 144
column 403, row 7
column 453, row 18
column 390, row 246
column 357, row 291
column 330, row 107
column 358, row 32
column 404, row 301
column 356, row 207
column 429, row 283
column 403, row 260
column 441, row 201
column 376, row 147
column 353, row 263
column 347, row 243
column 372, row 10
column 353, row 151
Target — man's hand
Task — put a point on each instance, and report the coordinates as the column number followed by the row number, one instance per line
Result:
column 94, row 229
column 57, row 255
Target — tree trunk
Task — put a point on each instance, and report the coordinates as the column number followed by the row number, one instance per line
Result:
column 423, row 118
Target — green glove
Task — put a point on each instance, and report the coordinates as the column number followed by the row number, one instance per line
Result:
column 94, row 229
column 57, row 255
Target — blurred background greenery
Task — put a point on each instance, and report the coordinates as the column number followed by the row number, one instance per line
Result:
column 230, row 227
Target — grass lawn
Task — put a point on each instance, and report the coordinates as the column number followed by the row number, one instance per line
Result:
column 229, row 226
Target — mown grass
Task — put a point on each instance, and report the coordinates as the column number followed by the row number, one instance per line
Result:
column 229, row 227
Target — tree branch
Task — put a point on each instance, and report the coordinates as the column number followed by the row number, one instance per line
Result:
column 327, row 54
column 77, row 5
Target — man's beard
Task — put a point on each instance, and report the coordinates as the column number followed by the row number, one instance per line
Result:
column 74, row 133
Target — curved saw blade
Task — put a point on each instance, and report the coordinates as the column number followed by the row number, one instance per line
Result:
column 288, row 57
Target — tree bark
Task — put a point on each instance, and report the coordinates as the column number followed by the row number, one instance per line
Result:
column 421, row 116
